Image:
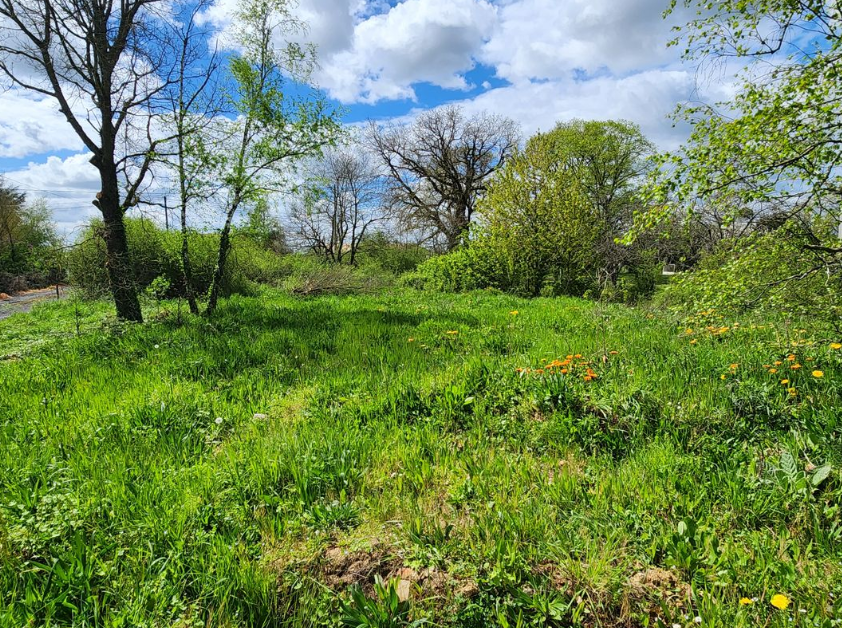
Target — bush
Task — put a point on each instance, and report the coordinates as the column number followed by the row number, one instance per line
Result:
column 458, row 271
column 772, row 272
column 156, row 255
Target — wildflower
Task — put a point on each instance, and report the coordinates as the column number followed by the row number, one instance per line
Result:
column 744, row 601
column 780, row 601
column 784, row 382
column 773, row 371
column 790, row 357
column 453, row 332
column 792, row 392
column 612, row 353
column 688, row 331
column 218, row 420
column 514, row 312
column 723, row 376
column 836, row 346
column 733, row 367
column 778, row 362
column 588, row 378
column 694, row 341
column 577, row 356
column 818, row 374
column 795, row 366
column 410, row 339
column 564, row 371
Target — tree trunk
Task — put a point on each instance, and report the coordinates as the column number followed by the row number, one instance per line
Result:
column 186, row 268
column 222, row 258
column 117, row 261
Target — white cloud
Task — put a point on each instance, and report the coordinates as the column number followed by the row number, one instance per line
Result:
column 68, row 185
column 433, row 41
column 31, row 125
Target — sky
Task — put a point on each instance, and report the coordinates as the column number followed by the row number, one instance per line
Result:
column 537, row 61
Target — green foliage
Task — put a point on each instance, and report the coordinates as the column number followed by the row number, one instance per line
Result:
column 30, row 256
column 385, row 610
column 773, row 272
column 156, row 257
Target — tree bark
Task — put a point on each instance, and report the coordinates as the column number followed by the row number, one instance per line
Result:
column 221, row 260
column 117, row 260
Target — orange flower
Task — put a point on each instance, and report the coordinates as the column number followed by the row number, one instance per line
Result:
column 778, row 362
column 790, row 357
column 795, row 366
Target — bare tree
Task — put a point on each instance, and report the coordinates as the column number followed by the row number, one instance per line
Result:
column 440, row 164
column 105, row 64
column 343, row 201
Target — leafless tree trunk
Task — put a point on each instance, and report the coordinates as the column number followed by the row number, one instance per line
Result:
column 439, row 166
column 117, row 58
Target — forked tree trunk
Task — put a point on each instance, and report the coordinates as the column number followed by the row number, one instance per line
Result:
column 221, row 261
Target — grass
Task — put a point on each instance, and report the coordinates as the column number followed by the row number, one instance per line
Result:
column 407, row 457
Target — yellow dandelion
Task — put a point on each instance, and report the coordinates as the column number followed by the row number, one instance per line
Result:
column 453, row 332
column 836, row 346
column 514, row 312
column 780, row 601
column 792, row 392
column 778, row 362
column 694, row 341
column 410, row 339
column 795, row 366
column 733, row 367
column 784, row 382
column 818, row 374
column 723, row 376
column 745, row 601
column 773, row 371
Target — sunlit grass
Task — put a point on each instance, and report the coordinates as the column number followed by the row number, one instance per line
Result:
column 251, row 469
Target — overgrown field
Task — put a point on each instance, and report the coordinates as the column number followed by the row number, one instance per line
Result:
column 490, row 460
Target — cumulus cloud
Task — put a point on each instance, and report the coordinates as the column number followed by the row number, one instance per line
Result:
column 432, row 41
column 547, row 39
column 68, row 185
column 32, row 125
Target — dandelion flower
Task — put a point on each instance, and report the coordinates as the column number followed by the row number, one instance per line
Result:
column 514, row 312
column 723, row 376
column 452, row 332
column 792, row 392
column 784, row 382
column 790, row 357
column 795, row 366
column 733, row 367
column 773, row 371
column 410, row 339
column 744, row 601
column 694, row 341
column 778, row 362
column 780, row 601
column 818, row 374
column 836, row 346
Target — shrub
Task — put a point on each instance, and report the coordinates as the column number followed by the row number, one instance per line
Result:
column 156, row 255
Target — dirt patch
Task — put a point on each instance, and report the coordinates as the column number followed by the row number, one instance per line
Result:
column 340, row 568
column 648, row 589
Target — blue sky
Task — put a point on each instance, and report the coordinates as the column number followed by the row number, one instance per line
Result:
column 536, row 61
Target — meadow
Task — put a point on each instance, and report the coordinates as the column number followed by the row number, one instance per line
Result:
column 410, row 458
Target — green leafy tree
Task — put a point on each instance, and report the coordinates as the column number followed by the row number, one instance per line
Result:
column 538, row 224
column 272, row 129
column 777, row 147
column 609, row 159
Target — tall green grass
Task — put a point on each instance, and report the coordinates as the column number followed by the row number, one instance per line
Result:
column 316, row 462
